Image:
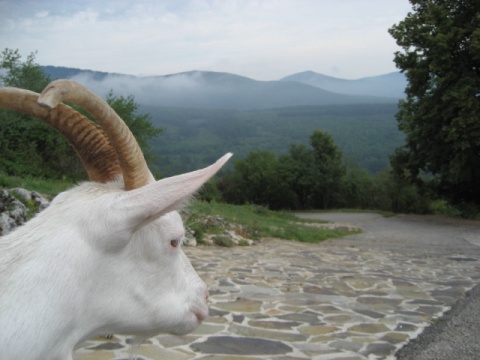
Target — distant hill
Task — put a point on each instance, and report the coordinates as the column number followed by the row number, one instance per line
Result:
column 60, row 72
column 389, row 85
column 212, row 90
column 206, row 114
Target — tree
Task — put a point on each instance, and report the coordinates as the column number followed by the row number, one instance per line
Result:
column 328, row 167
column 25, row 75
column 304, row 178
column 356, row 188
column 440, row 41
column 31, row 148
column 297, row 170
column 256, row 180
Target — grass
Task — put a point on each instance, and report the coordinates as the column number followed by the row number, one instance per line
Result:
column 48, row 188
column 258, row 222
column 384, row 213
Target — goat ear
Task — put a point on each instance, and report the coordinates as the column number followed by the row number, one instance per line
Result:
column 154, row 200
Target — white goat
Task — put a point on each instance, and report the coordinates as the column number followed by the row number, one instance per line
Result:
column 105, row 256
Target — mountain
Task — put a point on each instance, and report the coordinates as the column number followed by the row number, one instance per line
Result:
column 206, row 114
column 388, row 85
column 60, row 72
column 211, row 90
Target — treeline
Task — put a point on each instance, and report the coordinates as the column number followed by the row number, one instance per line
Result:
column 313, row 176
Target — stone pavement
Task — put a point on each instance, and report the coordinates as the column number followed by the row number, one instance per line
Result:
column 349, row 298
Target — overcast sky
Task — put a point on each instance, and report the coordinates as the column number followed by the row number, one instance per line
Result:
column 263, row 39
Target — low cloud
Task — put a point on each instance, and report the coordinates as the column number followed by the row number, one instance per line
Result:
column 173, row 90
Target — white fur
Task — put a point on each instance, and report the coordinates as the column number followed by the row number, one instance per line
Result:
column 99, row 260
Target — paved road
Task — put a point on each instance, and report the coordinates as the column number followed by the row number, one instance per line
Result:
column 428, row 235
column 362, row 297
column 455, row 335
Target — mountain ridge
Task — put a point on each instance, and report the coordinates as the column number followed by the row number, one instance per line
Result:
column 211, row 90
column 391, row 84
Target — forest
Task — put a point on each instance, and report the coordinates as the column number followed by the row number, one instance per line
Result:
column 366, row 134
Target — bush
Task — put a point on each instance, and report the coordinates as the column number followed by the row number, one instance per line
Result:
column 443, row 207
column 223, row 240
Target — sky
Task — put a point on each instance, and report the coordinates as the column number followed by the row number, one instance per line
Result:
column 262, row 39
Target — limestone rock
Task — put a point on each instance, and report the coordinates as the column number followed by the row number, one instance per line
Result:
column 13, row 211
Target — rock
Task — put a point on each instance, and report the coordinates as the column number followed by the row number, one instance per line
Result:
column 13, row 211
column 241, row 346
column 189, row 241
column 38, row 200
column 215, row 230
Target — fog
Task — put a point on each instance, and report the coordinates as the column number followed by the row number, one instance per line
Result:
column 158, row 90
column 197, row 89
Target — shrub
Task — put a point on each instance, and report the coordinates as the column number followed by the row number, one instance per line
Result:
column 223, row 240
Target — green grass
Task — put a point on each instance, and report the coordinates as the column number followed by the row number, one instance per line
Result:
column 354, row 211
column 49, row 188
column 259, row 222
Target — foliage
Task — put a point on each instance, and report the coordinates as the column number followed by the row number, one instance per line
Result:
column 31, row 148
column 255, row 179
column 209, row 192
column 356, row 188
column 25, row 75
column 442, row 207
column 306, row 178
column 440, row 55
column 194, row 138
column 327, row 166
column 315, row 177
column 298, row 173
column 223, row 240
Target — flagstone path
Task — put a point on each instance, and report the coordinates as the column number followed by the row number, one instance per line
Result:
column 361, row 297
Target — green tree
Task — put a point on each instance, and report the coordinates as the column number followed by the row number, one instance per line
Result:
column 31, row 148
column 25, row 75
column 328, row 168
column 305, row 178
column 440, row 41
column 256, row 180
column 356, row 189
column 297, row 170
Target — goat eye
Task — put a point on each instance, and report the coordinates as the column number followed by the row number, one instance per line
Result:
column 174, row 243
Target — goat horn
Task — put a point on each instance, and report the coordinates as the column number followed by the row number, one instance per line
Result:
column 88, row 140
column 135, row 170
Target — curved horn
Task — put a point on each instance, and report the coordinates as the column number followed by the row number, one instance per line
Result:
column 88, row 140
column 135, row 170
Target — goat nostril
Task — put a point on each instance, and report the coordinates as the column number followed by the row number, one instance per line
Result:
column 206, row 294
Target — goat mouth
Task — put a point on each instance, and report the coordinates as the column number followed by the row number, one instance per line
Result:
column 201, row 314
